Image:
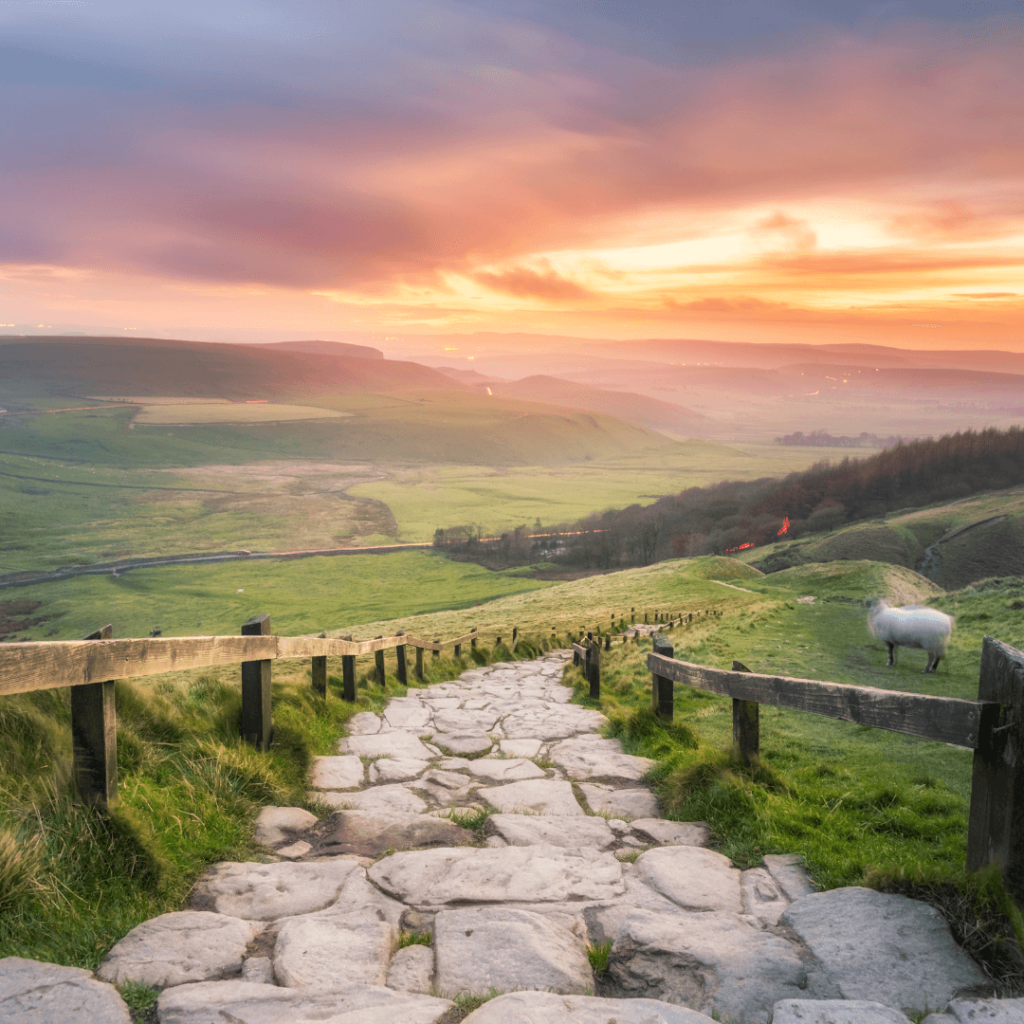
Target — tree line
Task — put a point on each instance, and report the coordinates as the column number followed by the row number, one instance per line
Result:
column 733, row 515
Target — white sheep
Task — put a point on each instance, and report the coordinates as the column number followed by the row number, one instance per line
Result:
column 912, row 626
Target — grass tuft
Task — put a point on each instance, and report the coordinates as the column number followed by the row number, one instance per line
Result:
column 598, row 957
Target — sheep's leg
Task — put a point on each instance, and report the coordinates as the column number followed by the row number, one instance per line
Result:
column 933, row 663
column 892, row 653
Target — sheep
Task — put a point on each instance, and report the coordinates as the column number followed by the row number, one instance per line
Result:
column 912, row 626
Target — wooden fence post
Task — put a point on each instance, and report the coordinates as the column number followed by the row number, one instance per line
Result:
column 746, row 725
column 435, row 653
column 94, row 737
column 256, row 719
column 662, row 695
column 472, row 641
column 608, row 641
column 419, row 664
column 378, row 659
column 594, row 670
column 995, row 833
column 403, row 677
column 348, row 674
column 318, row 672
column 458, row 650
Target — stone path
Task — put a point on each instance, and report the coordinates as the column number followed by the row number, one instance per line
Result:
column 487, row 840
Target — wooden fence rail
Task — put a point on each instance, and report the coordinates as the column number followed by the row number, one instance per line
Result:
column 992, row 726
column 90, row 666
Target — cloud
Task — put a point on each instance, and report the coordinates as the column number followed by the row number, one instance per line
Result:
column 523, row 282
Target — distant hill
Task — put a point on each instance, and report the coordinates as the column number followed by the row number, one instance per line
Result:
column 78, row 367
column 328, row 348
column 634, row 408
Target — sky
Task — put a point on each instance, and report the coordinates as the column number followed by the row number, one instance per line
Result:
column 753, row 170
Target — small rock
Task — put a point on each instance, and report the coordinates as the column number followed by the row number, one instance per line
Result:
column 277, row 826
column 621, row 803
column 336, row 772
column 39, row 993
column 295, row 850
column 484, row 948
column 533, row 796
column 259, row 970
column 412, row 969
column 173, row 949
column 984, row 1011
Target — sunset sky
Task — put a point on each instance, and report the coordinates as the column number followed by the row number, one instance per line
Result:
column 803, row 170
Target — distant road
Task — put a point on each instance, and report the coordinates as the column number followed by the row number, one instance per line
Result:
column 23, row 579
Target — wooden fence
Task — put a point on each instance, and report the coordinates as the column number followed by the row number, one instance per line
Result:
column 90, row 667
column 992, row 726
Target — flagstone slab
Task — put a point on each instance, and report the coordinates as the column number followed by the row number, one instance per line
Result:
column 266, row 892
column 762, row 896
column 555, row 830
column 520, row 748
column 391, row 798
column 498, row 769
column 980, row 1011
column 344, row 772
column 39, row 993
column 279, row 826
column 836, row 1011
column 412, row 969
column 483, row 948
column 333, row 952
column 694, row 878
column 593, row 757
column 465, row 720
column 883, row 947
column 176, row 948
column 411, row 717
column 620, row 803
column 396, row 769
column 711, row 961
column 385, row 744
column 242, row 1002
column 463, row 742
column 788, row 870
column 526, row 874
column 533, row 796
column 551, row 1008
column 363, row 723
column 670, row 833
column 372, row 833
column 553, row 722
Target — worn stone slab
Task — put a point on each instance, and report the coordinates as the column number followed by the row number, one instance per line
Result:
column 593, row 757
column 464, row 720
column 504, row 769
column 762, row 896
column 389, row 799
column 525, row 874
column 444, row 788
column 521, row 748
column 554, row 722
column 344, row 772
column 533, row 796
column 711, row 961
column 412, row 969
column 556, row 830
column 293, row 851
column 279, row 826
column 983, row 1011
column 258, row 969
column 333, row 952
column 657, row 831
column 39, row 993
column 836, row 1011
column 363, row 723
column 173, row 949
column 373, row 833
column 483, row 948
column 694, row 878
column 385, row 744
column 242, row 1002
column 551, row 1008
column 396, row 769
column 883, row 947
column 788, row 870
column 412, row 717
column 620, row 803
column 265, row 892
column 463, row 742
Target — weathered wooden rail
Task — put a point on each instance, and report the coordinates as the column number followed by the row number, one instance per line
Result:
column 992, row 726
column 90, row 667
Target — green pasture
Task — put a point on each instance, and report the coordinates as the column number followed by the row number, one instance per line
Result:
column 303, row 595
